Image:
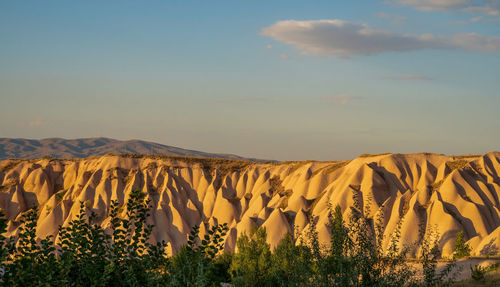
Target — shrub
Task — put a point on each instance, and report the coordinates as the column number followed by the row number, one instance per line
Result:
column 199, row 263
column 429, row 255
column 85, row 255
column 478, row 272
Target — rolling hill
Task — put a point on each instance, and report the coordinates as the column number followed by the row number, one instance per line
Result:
column 85, row 147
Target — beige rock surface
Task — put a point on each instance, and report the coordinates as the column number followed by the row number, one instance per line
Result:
column 448, row 193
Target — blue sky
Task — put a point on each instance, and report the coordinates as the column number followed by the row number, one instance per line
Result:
column 286, row 80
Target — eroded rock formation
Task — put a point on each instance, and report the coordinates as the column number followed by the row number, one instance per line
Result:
column 420, row 190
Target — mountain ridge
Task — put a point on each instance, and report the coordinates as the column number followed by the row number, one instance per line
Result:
column 21, row 148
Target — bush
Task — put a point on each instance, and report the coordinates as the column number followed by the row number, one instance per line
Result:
column 85, row 255
column 478, row 272
column 429, row 255
column 199, row 263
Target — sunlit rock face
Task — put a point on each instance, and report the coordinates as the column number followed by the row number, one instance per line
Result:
column 417, row 192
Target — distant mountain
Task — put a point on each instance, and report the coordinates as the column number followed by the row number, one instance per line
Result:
column 81, row 148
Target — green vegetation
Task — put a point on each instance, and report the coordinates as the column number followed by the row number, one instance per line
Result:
column 456, row 164
column 429, row 257
column 60, row 195
column 224, row 166
column 468, row 156
column 84, row 254
column 462, row 249
column 251, row 265
column 372, row 155
column 482, row 276
column 478, row 272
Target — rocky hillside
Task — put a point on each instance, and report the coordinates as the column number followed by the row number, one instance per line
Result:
column 416, row 191
column 82, row 148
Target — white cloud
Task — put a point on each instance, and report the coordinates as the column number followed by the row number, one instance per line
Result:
column 409, row 77
column 269, row 46
column 342, row 38
column 340, row 98
column 284, row 57
column 395, row 19
column 486, row 10
column 485, row 7
column 475, row 19
column 476, row 42
column 433, row 5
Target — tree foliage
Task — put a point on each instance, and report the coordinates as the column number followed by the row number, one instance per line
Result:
column 86, row 254
column 462, row 249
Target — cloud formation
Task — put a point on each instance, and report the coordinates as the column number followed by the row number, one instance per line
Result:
column 485, row 7
column 284, row 57
column 433, row 5
column 340, row 98
column 395, row 19
column 343, row 38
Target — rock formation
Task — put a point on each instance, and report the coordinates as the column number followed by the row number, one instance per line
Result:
column 415, row 191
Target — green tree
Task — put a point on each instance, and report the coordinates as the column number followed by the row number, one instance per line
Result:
column 30, row 262
column 84, row 251
column 291, row 264
column 200, row 263
column 84, row 255
column 251, row 264
column 429, row 255
column 462, row 249
column 4, row 241
column 340, row 244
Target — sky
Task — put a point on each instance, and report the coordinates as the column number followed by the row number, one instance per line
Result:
column 284, row 80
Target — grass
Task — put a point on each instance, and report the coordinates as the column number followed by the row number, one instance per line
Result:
column 491, row 278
